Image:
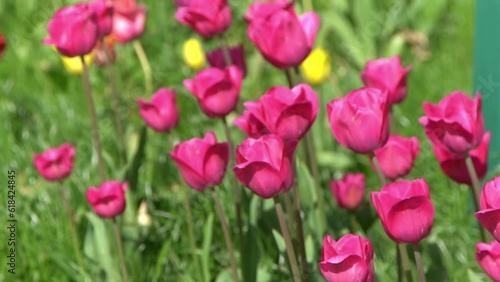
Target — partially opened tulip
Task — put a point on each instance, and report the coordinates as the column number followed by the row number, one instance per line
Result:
column 453, row 165
column 216, row 90
column 288, row 113
column 104, row 11
column 264, row 165
column 349, row 191
column 489, row 215
column 397, row 156
column 207, row 18
column 387, row 74
column 237, row 54
column 283, row 38
column 108, row 200
column 129, row 20
column 405, row 209
column 488, row 257
column 348, row 259
column 193, row 54
column 55, row 164
column 161, row 112
column 360, row 120
column 316, row 67
column 456, row 123
column 202, row 162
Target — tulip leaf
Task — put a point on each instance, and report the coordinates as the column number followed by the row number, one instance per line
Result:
column 206, row 258
column 280, row 242
column 334, row 160
column 162, row 258
column 310, row 249
column 224, row 276
column 250, row 254
column 394, row 46
column 473, row 277
column 425, row 14
column 133, row 171
column 307, row 193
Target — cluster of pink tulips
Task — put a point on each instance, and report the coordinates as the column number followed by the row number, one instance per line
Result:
column 277, row 122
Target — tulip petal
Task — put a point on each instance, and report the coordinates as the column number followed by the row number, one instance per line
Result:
column 261, row 178
column 490, row 220
column 410, row 220
column 192, row 178
column 353, row 268
column 215, row 162
column 310, row 23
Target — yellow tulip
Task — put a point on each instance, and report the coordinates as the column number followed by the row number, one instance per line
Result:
column 74, row 65
column 193, row 54
column 316, row 67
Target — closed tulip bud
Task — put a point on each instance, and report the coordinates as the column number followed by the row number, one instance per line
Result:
column 207, row 18
column 397, row 156
column 193, row 54
column 55, row 163
column 129, row 20
column 264, row 165
column 453, row 165
column 202, row 162
column 288, row 113
column 316, row 67
column 387, row 74
column 456, row 123
column 74, row 64
column 348, row 259
column 350, row 191
column 217, row 91
column 488, row 257
column 73, row 30
column 360, row 121
column 108, row 200
column 489, row 215
column 161, row 112
column 282, row 47
column 237, row 54
column 405, row 209
column 104, row 11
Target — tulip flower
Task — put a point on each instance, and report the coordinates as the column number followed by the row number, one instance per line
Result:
column 488, row 257
column 202, row 162
column 108, row 200
column 129, row 20
column 161, row 112
column 397, row 156
column 387, row 74
column 2, row 44
column 453, row 165
column 73, row 30
column 264, row 165
column 217, row 91
column 193, row 54
column 456, row 123
column 74, row 64
column 288, row 113
column 104, row 12
column 251, row 125
column 348, row 259
column 405, row 209
column 55, row 163
column 316, row 67
column 283, row 38
column 237, row 54
column 360, row 121
column 207, row 18
column 350, row 191
column 489, row 215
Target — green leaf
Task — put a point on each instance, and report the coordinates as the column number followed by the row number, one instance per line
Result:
column 250, row 254
column 310, row 249
column 133, row 171
column 224, row 276
column 279, row 240
column 334, row 160
column 161, row 259
column 473, row 277
column 206, row 257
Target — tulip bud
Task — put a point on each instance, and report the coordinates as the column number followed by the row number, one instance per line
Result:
column 350, row 191
column 397, row 156
column 55, row 163
column 129, row 20
column 193, row 54
column 316, row 67
column 161, row 112
column 207, row 18
column 108, row 200
column 488, row 257
column 489, row 215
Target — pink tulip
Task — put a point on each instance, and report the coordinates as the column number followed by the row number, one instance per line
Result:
column 360, row 121
column 397, row 156
column 202, row 162
column 217, row 91
column 237, row 54
column 489, row 215
column 251, row 125
column 348, row 259
column 488, row 257
column 73, row 30
column 284, row 39
column 264, row 165
column 288, row 113
column 129, row 20
column 104, row 11
column 456, row 123
column 55, row 163
column 387, row 74
column 208, row 18
column 161, row 113
column 350, row 191
column 2, row 44
column 405, row 209
column 108, row 200
column 453, row 165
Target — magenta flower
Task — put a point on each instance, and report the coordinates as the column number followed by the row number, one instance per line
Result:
column 349, row 191
column 397, row 156
column 55, row 163
column 207, row 18
column 108, row 200
column 161, row 112
column 489, row 215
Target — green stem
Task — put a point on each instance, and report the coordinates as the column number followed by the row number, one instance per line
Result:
column 418, row 261
column 119, row 245
column 400, row 266
column 96, row 140
column 406, row 262
column 71, row 222
column 225, row 51
column 288, row 241
column 475, row 191
column 307, row 5
column 146, row 67
column 374, row 162
column 227, row 235
column 300, row 233
column 313, row 164
column 352, row 222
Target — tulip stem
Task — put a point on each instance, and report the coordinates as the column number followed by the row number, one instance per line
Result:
column 406, row 262
column 475, row 191
column 225, row 51
column 119, row 245
column 146, row 67
column 96, row 140
column 227, row 235
column 300, row 233
column 374, row 163
column 400, row 267
column 418, row 261
column 288, row 241
column 71, row 222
